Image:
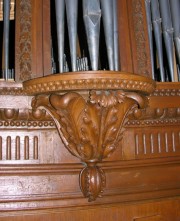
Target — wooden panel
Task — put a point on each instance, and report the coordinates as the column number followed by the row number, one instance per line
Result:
column 24, row 41
column 39, row 178
column 124, row 37
column 172, row 102
column 167, row 210
column 166, row 95
column 153, row 142
column 19, row 148
column 150, row 218
column 133, row 37
column 33, row 46
column 42, row 146
column 41, row 44
column 139, row 37
column 37, row 36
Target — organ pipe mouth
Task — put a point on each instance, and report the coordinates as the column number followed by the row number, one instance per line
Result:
column 12, row 10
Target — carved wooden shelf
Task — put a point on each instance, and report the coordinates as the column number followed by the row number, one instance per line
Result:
column 91, row 80
column 91, row 127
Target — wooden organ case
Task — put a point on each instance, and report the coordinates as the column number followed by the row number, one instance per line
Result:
column 88, row 144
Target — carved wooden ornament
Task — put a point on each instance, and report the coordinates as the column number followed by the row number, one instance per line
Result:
column 90, row 129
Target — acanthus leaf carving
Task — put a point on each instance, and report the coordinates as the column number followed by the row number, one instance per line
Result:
column 90, row 129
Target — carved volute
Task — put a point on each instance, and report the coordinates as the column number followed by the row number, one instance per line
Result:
column 92, row 127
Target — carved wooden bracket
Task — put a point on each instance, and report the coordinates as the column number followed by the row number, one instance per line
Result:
column 91, row 129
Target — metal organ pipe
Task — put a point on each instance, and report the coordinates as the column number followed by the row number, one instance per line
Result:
column 72, row 14
column 116, row 36
column 150, row 35
column 107, row 15
column 92, row 11
column 92, row 15
column 166, row 26
column 60, row 7
column 168, row 37
column 156, row 19
column 175, row 12
column 6, row 20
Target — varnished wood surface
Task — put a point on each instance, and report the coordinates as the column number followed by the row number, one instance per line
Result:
column 125, row 52
column 39, row 177
column 144, row 166
column 90, row 80
column 166, row 210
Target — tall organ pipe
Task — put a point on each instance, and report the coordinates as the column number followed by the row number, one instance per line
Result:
column 107, row 15
column 92, row 16
column 158, row 35
column 6, row 20
column 168, row 37
column 150, row 35
column 60, row 8
column 175, row 12
column 72, row 14
column 116, row 36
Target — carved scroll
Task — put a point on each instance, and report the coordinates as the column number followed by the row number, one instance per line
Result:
column 91, row 130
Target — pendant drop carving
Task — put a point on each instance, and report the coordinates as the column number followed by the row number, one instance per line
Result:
column 91, row 129
column 92, row 182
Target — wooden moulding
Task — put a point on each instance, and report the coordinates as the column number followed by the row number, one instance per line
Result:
column 11, row 88
column 98, row 80
column 91, row 128
column 166, row 95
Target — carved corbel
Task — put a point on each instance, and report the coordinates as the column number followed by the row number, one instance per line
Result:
column 91, row 129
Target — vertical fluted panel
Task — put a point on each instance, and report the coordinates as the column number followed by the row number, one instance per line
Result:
column 144, row 144
column 26, row 148
column 17, row 149
column 14, row 148
column 8, row 148
column 152, row 143
column 173, row 142
column 157, row 143
column 166, row 142
column 137, row 144
column 35, row 148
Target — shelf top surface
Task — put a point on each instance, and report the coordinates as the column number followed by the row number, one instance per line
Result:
column 91, row 80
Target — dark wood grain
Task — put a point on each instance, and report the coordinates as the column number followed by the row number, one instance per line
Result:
column 40, row 176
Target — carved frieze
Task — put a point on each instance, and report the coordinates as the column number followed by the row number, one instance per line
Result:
column 26, row 124
column 25, row 40
column 165, row 92
column 141, row 39
column 23, row 118
column 19, row 148
column 153, row 142
column 23, row 114
column 149, row 123
column 154, row 117
column 11, row 88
